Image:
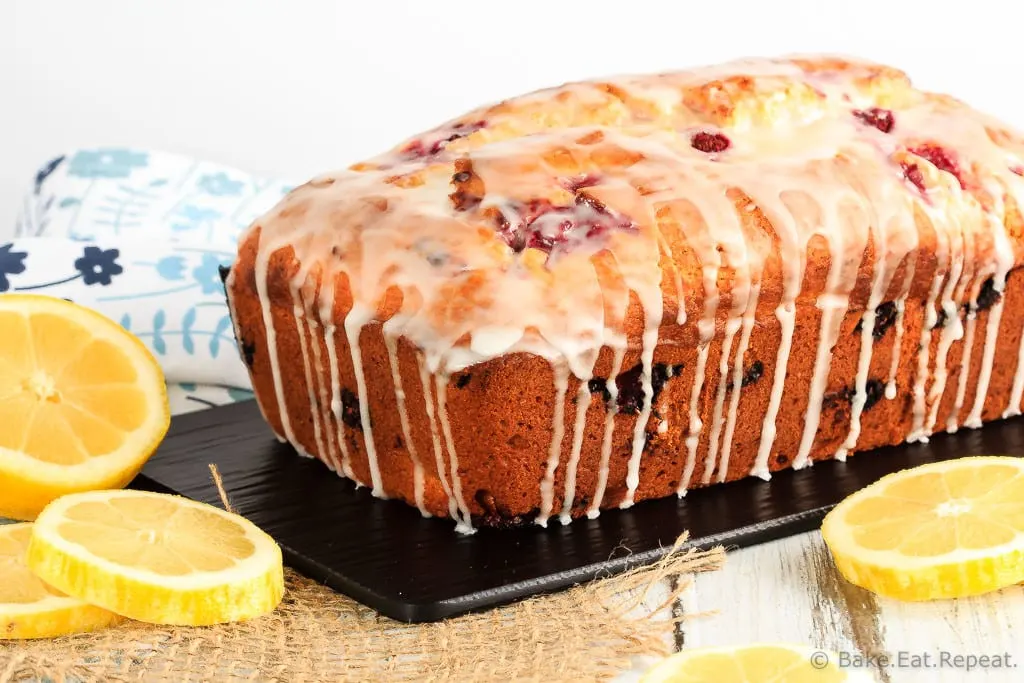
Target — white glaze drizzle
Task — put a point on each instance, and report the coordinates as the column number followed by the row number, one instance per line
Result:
column 1004, row 262
column 988, row 359
column 578, row 432
column 952, row 422
column 261, row 265
column 302, row 322
column 326, row 314
column 832, row 306
column 948, row 250
column 749, row 319
column 357, row 318
column 961, row 275
column 391, row 343
column 464, row 523
column 732, row 326
column 611, row 410
column 923, row 351
column 794, row 261
column 891, row 255
column 650, row 341
column 547, row 484
column 897, row 344
column 229, row 287
column 435, row 437
column 693, row 437
column 321, row 375
column 863, row 363
column 677, row 278
column 850, row 232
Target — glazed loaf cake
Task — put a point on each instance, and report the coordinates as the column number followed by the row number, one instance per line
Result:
column 623, row 289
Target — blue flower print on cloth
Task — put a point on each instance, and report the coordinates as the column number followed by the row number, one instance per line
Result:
column 98, row 266
column 141, row 236
column 11, row 263
column 96, row 194
column 106, row 163
column 220, row 185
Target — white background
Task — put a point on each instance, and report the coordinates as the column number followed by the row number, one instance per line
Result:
column 300, row 86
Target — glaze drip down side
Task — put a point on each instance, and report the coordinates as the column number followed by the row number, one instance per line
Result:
column 616, row 290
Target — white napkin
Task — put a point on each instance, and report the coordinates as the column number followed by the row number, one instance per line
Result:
column 139, row 235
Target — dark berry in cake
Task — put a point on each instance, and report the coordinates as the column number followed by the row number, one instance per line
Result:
column 577, row 183
column 874, row 390
column 539, row 224
column 885, row 316
column 248, row 352
column 941, row 158
column 709, row 143
column 599, row 385
column 350, row 414
column 630, row 386
column 987, row 296
column 882, row 119
column 913, row 174
column 434, row 142
column 753, row 373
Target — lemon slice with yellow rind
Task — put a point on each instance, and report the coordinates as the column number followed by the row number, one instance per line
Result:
column 157, row 558
column 31, row 609
column 83, row 403
column 943, row 530
column 756, row 663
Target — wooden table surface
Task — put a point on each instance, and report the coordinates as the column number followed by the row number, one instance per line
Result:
column 789, row 590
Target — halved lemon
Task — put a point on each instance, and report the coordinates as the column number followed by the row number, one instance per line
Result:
column 31, row 609
column 157, row 558
column 943, row 530
column 756, row 663
column 83, row 403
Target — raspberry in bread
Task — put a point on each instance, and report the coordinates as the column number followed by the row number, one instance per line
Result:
column 623, row 289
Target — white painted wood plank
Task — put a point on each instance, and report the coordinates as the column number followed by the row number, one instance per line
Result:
column 767, row 593
column 789, row 590
column 986, row 625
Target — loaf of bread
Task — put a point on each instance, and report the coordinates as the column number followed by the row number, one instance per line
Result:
column 622, row 289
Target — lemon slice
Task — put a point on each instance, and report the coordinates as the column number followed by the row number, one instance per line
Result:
column 157, row 558
column 82, row 403
column 31, row 609
column 944, row 530
column 756, row 663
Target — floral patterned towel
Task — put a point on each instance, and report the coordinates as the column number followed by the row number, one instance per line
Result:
column 141, row 236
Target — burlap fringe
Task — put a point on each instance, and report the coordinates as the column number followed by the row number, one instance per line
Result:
column 590, row 632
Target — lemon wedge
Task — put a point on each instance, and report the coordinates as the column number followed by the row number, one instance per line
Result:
column 31, row 609
column 756, row 663
column 83, row 403
column 157, row 558
column 943, row 530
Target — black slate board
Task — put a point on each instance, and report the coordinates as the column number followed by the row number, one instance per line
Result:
column 383, row 554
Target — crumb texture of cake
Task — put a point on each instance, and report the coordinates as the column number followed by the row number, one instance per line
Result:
column 623, row 289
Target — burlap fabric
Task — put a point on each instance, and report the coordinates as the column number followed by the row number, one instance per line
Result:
column 590, row 632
